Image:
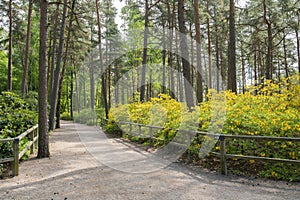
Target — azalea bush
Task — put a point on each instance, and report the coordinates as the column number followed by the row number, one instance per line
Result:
column 16, row 116
column 267, row 109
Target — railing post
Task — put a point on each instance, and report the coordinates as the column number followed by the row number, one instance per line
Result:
column 130, row 128
column 189, row 151
column 16, row 157
column 31, row 137
column 36, row 135
column 151, row 135
column 140, row 130
column 223, row 155
column 165, row 137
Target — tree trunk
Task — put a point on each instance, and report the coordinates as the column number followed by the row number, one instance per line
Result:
column 243, row 69
column 269, row 59
column 209, row 47
column 77, row 91
column 217, row 52
column 192, row 52
column 170, row 58
column 71, row 95
column 180, row 96
column 92, row 84
column 164, row 55
column 285, row 57
column 198, row 47
column 28, row 36
column 64, row 67
column 54, row 90
column 53, row 52
column 144, row 62
column 43, row 140
column 231, row 51
column 103, row 86
column 185, row 55
column 298, row 48
column 10, row 48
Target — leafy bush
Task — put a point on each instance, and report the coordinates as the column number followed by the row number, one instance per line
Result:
column 86, row 116
column 66, row 116
column 16, row 116
column 268, row 109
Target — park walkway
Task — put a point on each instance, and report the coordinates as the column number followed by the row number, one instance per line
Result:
column 85, row 164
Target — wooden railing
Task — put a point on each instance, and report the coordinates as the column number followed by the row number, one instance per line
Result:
column 32, row 134
column 222, row 140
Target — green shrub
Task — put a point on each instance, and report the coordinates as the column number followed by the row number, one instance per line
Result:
column 66, row 116
column 16, row 116
column 86, row 116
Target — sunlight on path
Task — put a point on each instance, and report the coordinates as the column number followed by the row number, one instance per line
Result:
column 72, row 172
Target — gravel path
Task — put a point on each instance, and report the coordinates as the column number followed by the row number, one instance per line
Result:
column 74, row 172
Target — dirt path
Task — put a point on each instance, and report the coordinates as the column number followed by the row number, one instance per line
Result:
column 72, row 172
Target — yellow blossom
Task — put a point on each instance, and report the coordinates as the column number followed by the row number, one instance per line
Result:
column 252, row 161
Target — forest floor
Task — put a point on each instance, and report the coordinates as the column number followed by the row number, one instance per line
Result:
column 73, row 172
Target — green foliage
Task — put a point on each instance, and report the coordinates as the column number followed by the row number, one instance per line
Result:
column 113, row 128
column 16, row 116
column 66, row 116
column 3, row 70
column 86, row 116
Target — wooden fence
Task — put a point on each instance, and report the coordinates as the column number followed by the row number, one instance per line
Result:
column 222, row 139
column 32, row 134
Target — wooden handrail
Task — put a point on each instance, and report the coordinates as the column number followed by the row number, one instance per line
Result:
column 33, row 137
column 222, row 138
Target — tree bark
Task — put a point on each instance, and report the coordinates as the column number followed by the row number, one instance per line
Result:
column 64, row 66
column 164, row 55
column 269, row 59
column 209, row 47
column 198, row 48
column 170, row 58
column 144, row 62
column 231, row 51
column 103, row 86
column 298, row 48
column 217, row 50
column 185, row 55
column 285, row 57
column 92, row 83
column 10, row 48
column 71, row 95
column 53, row 52
column 54, row 91
column 27, row 50
column 43, row 140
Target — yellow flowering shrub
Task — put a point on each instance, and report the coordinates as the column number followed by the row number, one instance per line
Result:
column 268, row 109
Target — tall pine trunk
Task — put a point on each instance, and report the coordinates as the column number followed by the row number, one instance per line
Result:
column 10, row 48
column 209, row 47
column 43, row 140
column 231, row 51
column 103, row 86
column 185, row 55
column 53, row 49
column 64, row 66
column 144, row 62
column 269, row 59
column 198, row 47
column 298, row 46
column 27, row 50
column 54, row 90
